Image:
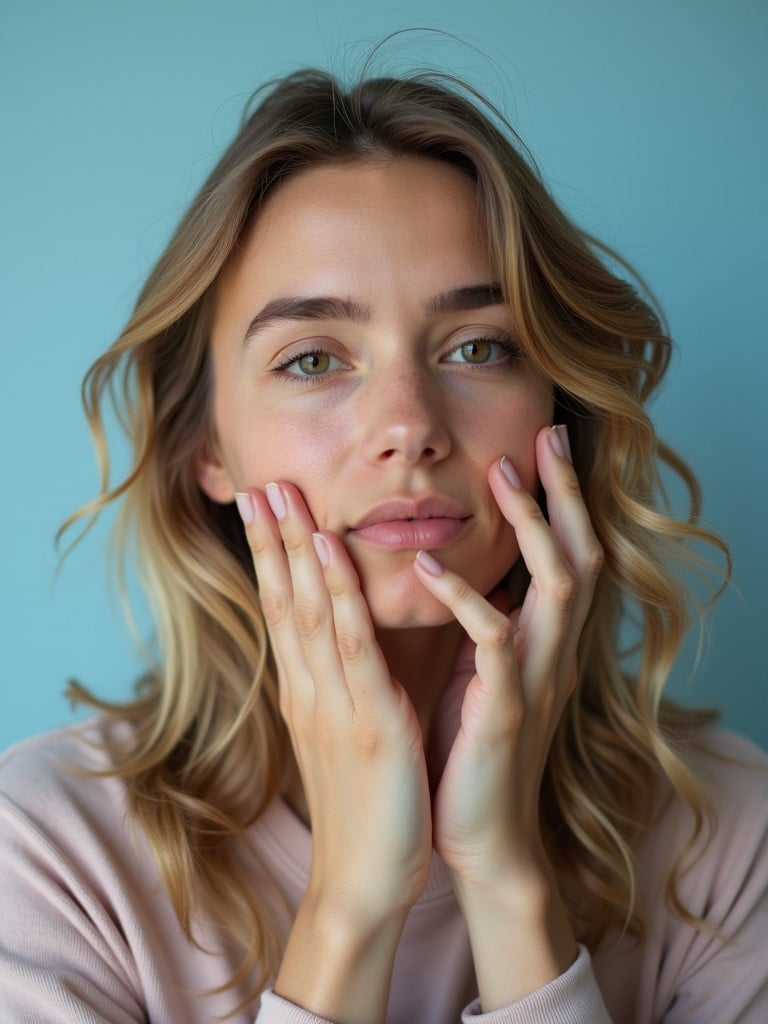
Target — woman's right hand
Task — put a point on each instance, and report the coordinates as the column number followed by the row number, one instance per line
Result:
column 358, row 746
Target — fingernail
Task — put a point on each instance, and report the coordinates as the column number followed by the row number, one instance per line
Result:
column 558, row 438
column 276, row 500
column 322, row 549
column 430, row 563
column 244, row 507
column 509, row 472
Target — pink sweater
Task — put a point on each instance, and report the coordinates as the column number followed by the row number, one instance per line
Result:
column 88, row 936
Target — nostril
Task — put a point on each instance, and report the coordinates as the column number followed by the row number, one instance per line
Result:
column 410, row 443
column 426, row 453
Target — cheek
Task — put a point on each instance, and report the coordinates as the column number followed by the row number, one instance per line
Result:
column 509, row 426
column 263, row 444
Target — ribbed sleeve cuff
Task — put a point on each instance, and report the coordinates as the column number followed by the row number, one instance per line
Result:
column 573, row 998
column 276, row 1010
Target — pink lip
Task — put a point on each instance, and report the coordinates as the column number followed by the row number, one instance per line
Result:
column 408, row 525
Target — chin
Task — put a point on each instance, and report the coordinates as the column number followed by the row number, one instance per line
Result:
column 403, row 603
column 416, row 617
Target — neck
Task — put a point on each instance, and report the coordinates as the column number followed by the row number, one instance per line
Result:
column 422, row 661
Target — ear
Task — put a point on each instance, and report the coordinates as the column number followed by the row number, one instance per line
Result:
column 212, row 475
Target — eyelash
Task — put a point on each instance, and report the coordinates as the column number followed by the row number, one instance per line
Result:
column 302, row 378
column 505, row 342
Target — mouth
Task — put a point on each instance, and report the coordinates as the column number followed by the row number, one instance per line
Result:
column 409, row 525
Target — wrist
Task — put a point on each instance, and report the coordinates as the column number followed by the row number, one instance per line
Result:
column 338, row 963
column 525, row 881
column 347, row 921
column 520, row 934
column 356, row 906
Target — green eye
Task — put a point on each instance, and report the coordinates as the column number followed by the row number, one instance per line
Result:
column 478, row 351
column 312, row 363
column 315, row 363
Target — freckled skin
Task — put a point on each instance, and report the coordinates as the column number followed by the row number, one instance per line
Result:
column 394, row 416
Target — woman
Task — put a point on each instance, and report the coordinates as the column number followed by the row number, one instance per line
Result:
column 394, row 492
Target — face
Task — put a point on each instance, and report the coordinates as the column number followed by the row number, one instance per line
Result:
column 362, row 351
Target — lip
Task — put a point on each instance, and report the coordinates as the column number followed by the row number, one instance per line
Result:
column 430, row 522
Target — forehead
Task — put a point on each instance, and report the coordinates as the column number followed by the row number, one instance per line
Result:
column 367, row 187
column 361, row 217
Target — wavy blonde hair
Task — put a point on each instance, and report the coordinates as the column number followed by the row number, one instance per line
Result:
column 210, row 745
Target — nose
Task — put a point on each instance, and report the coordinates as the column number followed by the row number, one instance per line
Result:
column 405, row 419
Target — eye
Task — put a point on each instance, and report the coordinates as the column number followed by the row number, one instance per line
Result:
column 310, row 364
column 477, row 351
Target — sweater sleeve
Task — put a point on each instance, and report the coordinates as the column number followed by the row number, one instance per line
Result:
column 62, row 960
column 276, row 1010
column 720, row 973
column 573, row 998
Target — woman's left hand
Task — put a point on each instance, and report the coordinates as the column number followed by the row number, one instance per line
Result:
column 486, row 808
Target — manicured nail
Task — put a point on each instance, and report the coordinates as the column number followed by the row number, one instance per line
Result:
column 244, row 507
column 430, row 563
column 509, row 472
column 322, row 549
column 276, row 500
column 558, row 438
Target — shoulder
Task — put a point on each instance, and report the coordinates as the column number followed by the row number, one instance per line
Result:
column 720, row 849
column 734, row 776
column 60, row 760
column 69, row 851
column 733, row 773
column 702, row 950
column 54, row 792
column 725, row 757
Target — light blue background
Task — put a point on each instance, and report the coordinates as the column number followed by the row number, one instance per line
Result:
column 647, row 117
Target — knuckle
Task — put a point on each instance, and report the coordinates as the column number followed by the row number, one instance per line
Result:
column 351, row 646
column 533, row 513
column 257, row 542
column 369, row 740
column 571, row 484
column 273, row 608
column 308, row 620
column 548, row 699
column 515, row 719
column 336, row 588
column 564, row 588
column 292, row 544
column 508, row 726
column 462, row 590
column 501, row 633
column 595, row 560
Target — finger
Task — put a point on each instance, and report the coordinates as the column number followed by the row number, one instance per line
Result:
column 275, row 595
column 312, row 607
column 547, row 608
column 365, row 669
column 493, row 633
column 570, row 522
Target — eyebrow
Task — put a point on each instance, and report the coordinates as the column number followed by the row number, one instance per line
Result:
column 328, row 307
column 474, row 296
